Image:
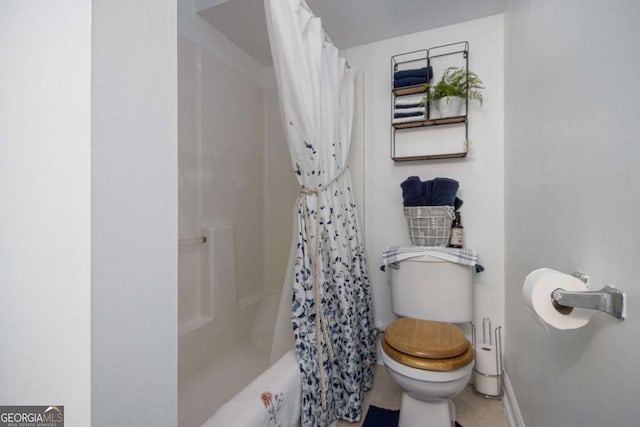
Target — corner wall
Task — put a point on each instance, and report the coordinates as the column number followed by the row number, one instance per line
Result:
column 572, row 202
column 45, row 213
column 480, row 174
column 134, row 213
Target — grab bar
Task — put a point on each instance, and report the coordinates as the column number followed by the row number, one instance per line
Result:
column 608, row 299
column 202, row 239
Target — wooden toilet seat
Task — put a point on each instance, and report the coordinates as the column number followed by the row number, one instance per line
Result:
column 427, row 345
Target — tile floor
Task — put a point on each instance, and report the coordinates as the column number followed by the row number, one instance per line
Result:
column 471, row 410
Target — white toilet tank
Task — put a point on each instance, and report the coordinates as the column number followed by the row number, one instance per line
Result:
column 430, row 288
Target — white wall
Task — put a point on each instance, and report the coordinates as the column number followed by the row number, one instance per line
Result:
column 480, row 174
column 134, row 213
column 45, row 244
column 572, row 202
column 87, row 228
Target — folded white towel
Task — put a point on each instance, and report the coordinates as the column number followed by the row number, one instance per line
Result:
column 272, row 399
column 409, row 100
column 410, row 110
column 409, row 119
column 395, row 254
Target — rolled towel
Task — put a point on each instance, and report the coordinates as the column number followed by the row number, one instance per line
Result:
column 443, row 192
column 409, row 81
column 408, row 119
column 412, row 194
column 426, row 72
column 413, row 114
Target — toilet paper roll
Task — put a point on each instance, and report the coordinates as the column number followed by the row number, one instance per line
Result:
column 486, row 359
column 487, row 385
column 537, row 290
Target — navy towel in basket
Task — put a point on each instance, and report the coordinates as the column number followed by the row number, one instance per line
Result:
column 413, row 192
column 435, row 192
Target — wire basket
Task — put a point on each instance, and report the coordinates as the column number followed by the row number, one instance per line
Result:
column 429, row 225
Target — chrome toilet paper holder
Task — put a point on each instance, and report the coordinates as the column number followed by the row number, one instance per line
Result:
column 498, row 376
column 608, row 299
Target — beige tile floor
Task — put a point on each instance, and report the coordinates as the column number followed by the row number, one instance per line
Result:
column 471, row 410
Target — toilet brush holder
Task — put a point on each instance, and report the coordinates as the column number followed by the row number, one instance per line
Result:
column 488, row 372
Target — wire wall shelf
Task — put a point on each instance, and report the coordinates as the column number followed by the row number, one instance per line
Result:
column 427, row 58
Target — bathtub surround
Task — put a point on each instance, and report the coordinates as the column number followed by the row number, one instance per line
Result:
column 236, row 187
column 557, row 156
column 221, row 157
column 332, row 317
column 231, row 149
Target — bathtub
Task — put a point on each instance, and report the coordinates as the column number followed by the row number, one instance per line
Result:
column 273, row 398
column 225, row 334
column 235, row 364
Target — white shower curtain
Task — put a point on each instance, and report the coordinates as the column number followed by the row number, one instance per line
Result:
column 331, row 312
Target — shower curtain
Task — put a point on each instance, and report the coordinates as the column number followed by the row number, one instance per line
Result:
column 331, row 309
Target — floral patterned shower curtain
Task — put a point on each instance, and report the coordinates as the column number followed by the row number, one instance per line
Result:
column 331, row 314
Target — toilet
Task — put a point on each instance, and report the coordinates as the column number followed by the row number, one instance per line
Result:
column 425, row 353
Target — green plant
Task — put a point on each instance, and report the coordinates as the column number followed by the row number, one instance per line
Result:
column 455, row 82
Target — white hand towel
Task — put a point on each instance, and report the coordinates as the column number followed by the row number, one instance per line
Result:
column 409, row 100
column 409, row 119
column 395, row 254
column 410, row 110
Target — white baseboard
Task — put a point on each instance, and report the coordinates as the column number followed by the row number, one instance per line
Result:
column 511, row 405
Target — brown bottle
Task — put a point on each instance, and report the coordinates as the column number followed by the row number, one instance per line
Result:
column 457, row 230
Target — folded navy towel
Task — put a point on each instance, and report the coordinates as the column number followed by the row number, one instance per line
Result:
column 427, row 188
column 409, row 81
column 412, row 192
column 426, row 72
column 443, row 192
column 404, row 106
column 412, row 114
column 457, row 204
column 435, row 192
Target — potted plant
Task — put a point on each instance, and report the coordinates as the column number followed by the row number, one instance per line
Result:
column 455, row 85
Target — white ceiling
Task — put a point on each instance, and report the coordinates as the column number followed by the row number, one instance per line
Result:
column 348, row 22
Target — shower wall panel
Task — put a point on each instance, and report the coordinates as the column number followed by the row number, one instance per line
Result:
column 281, row 189
column 221, row 159
column 232, row 164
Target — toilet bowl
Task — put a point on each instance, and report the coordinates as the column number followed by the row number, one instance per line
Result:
column 431, row 362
